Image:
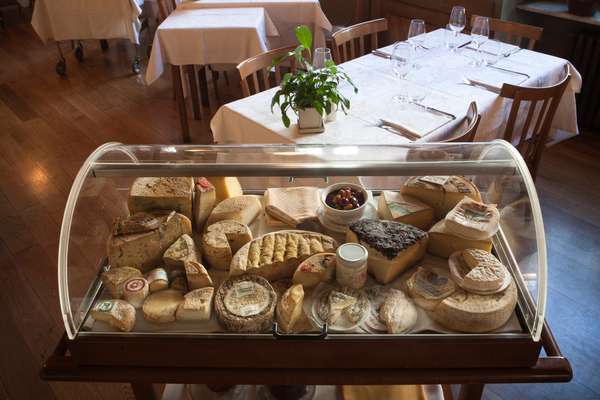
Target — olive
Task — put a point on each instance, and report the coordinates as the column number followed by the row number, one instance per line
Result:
column 348, row 207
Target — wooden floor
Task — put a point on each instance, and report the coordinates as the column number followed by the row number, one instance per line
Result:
column 49, row 125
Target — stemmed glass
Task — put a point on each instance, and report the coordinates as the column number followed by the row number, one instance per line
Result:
column 416, row 28
column 480, row 33
column 457, row 22
column 321, row 56
column 401, row 65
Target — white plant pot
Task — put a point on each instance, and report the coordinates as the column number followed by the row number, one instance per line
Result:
column 309, row 118
column 333, row 114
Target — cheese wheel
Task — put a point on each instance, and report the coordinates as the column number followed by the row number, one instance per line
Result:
column 114, row 279
column 135, row 291
column 222, row 240
column 408, row 210
column 117, row 313
column 443, row 243
column 161, row 306
column 478, row 271
column 196, row 306
column 392, row 246
column 157, row 280
column 162, row 194
column 429, row 285
column 243, row 209
column 289, row 308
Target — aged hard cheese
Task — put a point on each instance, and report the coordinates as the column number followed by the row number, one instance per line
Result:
column 478, row 271
column 277, row 255
column 196, row 306
column 157, row 280
column 440, row 192
column 429, row 284
column 114, row 278
column 398, row 312
column 408, row 210
column 289, row 308
column 315, row 269
column 226, row 187
column 443, row 243
column 205, row 198
column 246, row 304
column 473, row 220
column 162, row 306
column 196, row 274
column 117, row 313
column 136, row 223
column 392, row 246
column 162, row 194
column 145, row 250
column 222, row 240
column 184, row 249
column 243, row 209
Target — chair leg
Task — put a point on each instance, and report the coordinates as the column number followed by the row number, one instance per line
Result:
column 193, row 90
column 185, row 129
column 203, row 85
column 215, row 78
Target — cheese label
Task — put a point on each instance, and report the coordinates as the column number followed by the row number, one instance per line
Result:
column 134, row 285
column 104, row 306
column 246, row 299
column 436, row 180
column 157, row 274
column 203, row 182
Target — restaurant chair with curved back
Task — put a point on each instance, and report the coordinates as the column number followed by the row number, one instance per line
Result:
column 165, row 7
column 472, row 123
column 345, row 41
column 513, row 32
column 531, row 139
column 258, row 70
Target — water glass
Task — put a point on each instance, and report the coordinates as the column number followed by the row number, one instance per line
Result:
column 321, row 56
column 401, row 65
column 480, row 33
column 416, row 28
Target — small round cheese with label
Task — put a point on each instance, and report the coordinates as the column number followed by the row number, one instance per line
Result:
column 135, row 291
column 157, row 280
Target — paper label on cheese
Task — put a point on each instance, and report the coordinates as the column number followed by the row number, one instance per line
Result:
column 436, row 180
column 246, row 299
column 433, row 285
column 157, row 274
column 104, row 306
column 134, row 285
column 400, row 207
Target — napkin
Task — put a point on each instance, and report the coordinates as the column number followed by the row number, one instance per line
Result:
column 292, row 205
column 496, row 47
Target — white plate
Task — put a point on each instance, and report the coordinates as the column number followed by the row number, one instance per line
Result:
column 342, row 324
column 370, row 212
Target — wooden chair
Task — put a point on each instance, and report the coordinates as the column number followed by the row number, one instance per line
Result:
column 344, row 41
column 513, row 32
column 261, row 65
column 472, row 121
column 530, row 140
column 165, row 7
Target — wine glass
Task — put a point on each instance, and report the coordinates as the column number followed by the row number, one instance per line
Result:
column 457, row 21
column 480, row 33
column 401, row 65
column 416, row 28
column 321, row 56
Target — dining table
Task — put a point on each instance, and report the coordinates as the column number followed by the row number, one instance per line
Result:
column 444, row 81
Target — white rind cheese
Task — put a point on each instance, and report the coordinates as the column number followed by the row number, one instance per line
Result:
column 243, row 209
column 443, row 243
column 162, row 194
column 196, row 306
column 222, row 240
column 398, row 312
column 161, row 306
column 117, row 313
column 315, row 269
column 397, row 207
column 135, row 291
column 277, row 255
column 114, row 279
column 478, row 271
column 197, row 276
column 205, row 198
column 246, row 304
column 289, row 308
column 157, row 280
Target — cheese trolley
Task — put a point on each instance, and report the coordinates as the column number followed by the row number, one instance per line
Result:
column 321, row 264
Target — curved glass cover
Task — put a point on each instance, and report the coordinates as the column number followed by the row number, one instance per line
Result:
column 100, row 195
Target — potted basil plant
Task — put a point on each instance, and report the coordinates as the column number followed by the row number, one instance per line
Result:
column 310, row 93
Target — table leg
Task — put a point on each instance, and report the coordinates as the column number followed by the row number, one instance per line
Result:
column 471, row 391
column 194, row 90
column 203, row 85
column 177, row 84
column 143, row 391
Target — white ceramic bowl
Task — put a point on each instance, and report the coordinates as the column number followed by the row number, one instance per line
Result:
column 343, row 217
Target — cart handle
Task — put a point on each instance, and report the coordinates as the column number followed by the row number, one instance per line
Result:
column 279, row 335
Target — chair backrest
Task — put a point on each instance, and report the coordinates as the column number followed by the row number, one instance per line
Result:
column 258, row 70
column 165, row 7
column 530, row 139
column 513, row 32
column 472, row 121
column 344, row 41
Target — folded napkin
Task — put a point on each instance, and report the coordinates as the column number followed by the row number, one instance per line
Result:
column 292, row 205
column 496, row 47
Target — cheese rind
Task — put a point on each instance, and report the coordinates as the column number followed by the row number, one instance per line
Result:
column 289, row 308
column 315, row 269
column 392, row 246
column 443, row 243
column 243, row 209
column 408, row 210
column 197, row 276
column 473, row 220
column 222, row 240
column 196, row 306
column 182, row 250
column 398, row 312
column 135, row 291
column 478, row 271
column 117, row 313
column 162, row 194
column 226, row 187
column 205, row 198
column 114, row 279
column 428, row 285
column 161, row 306
column 157, row 280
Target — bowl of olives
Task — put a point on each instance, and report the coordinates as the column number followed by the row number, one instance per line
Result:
column 344, row 203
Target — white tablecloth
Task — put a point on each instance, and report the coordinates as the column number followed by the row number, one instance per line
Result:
column 215, row 36
column 440, row 76
column 286, row 14
column 87, row 19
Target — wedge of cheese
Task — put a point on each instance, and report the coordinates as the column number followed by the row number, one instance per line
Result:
column 145, row 250
column 114, row 279
column 196, row 306
column 161, row 306
column 243, row 209
column 117, row 313
column 398, row 312
column 226, row 187
column 277, row 255
column 440, row 192
column 205, row 198
column 442, row 242
column 162, row 194
column 408, row 210
column 184, row 249
column 197, row 276
column 222, row 240
column 315, row 269
column 289, row 308
column 472, row 219
column 392, row 246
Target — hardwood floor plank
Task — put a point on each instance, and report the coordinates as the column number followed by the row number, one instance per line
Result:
column 16, row 103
